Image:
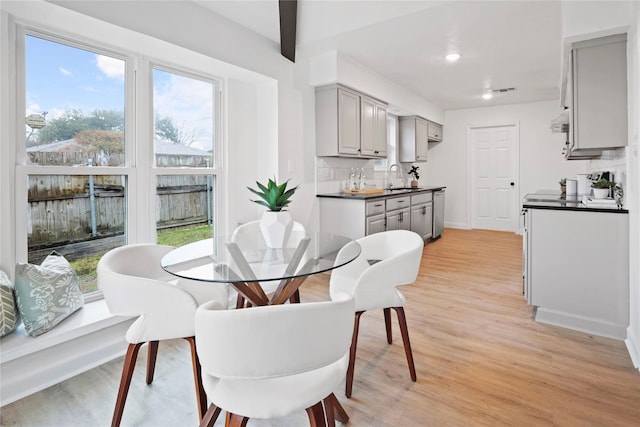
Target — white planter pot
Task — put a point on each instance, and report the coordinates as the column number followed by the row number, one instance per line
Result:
column 600, row 193
column 276, row 228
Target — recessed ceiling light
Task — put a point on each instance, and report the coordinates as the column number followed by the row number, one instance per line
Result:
column 487, row 95
column 452, row 57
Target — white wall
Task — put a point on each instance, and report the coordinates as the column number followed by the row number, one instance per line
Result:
column 541, row 162
column 633, row 187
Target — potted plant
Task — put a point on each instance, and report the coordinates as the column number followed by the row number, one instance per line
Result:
column 563, row 185
column 601, row 188
column 414, row 172
column 276, row 223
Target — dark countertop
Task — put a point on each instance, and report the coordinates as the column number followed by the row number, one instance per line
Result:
column 386, row 193
column 556, row 201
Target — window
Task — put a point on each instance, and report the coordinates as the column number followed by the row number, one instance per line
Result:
column 184, row 135
column 92, row 173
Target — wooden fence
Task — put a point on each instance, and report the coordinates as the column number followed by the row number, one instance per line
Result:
column 61, row 209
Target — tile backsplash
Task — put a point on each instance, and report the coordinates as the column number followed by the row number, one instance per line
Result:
column 333, row 172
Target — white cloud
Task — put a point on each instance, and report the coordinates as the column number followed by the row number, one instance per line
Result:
column 189, row 102
column 64, row 71
column 111, row 67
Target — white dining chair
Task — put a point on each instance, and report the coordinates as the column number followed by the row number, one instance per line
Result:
column 387, row 260
column 271, row 361
column 134, row 284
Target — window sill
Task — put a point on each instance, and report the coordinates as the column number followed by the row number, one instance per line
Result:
column 92, row 317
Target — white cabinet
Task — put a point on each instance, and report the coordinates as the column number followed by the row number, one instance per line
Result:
column 414, row 139
column 434, row 132
column 598, row 96
column 576, row 269
column 422, row 214
column 349, row 123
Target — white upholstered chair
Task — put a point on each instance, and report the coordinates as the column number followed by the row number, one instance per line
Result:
column 246, row 231
column 387, row 260
column 271, row 361
column 134, row 284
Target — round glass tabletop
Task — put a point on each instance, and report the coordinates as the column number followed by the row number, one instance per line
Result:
column 248, row 258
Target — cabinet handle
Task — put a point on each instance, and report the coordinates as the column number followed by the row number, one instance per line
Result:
column 424, row 210
column 378, row 205
column 375, row 152
column 400, row 201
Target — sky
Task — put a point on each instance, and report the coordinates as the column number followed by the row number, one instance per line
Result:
column 61, row 77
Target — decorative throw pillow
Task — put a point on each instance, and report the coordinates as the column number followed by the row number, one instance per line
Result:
column 46, row 294
column 9, row 314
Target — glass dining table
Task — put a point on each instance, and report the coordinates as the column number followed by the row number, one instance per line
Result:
column 246, row 262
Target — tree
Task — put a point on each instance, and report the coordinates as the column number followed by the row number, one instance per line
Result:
column 106, row 142
column 73, row 122
column 166, row 128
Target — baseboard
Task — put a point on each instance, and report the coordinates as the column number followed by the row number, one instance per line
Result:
column 460, row 225
column 633, row 347
column 579, row 323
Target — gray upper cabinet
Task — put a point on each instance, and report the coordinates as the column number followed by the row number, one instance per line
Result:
column 434, row 132
column 349, row 123
column 599, row 96
column 414, row 139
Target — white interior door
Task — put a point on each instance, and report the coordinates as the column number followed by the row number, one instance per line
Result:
column 494, row 172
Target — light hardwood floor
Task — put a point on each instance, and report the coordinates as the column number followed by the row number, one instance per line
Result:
column 480, row 358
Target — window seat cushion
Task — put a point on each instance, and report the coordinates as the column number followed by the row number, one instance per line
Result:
column 93, row 317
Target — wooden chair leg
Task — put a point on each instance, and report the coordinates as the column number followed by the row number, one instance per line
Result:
column 201, row 395
column 211, row 416
column 402, row 320
column 329, row 412
column 295, row 298
column 152, row 355
column 125, row 382
column 352, row 355
column 234, row 420
column 316, row 415
column 338, row 411
column 387, row 324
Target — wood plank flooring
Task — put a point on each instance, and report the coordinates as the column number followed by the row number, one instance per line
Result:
column 480, row 358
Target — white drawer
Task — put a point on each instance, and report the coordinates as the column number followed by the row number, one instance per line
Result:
column 398, row 202
column 374, row 207
column 425, row 197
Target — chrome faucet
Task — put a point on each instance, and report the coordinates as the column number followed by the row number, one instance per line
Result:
column 398, row 174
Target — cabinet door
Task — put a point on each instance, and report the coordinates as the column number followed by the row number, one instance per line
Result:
column 600, row 93
column 422, row 140
column 348, row 123
column 375, row 224
column 434, row 132
column 380, row 140
column 404, row 222
column 393, row 220
column 368, row 126
column 422, row 219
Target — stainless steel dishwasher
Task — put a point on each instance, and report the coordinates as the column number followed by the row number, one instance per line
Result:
column 438, row 213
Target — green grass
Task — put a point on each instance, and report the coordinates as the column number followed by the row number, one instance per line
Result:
column 86, row 267
column 182, row 236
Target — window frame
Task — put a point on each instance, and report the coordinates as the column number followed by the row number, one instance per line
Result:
column 139, row 170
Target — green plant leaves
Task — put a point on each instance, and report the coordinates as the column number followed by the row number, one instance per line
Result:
column 274, row 197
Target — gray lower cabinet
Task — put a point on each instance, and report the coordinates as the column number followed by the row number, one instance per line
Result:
column 576, row 269
column 422, row 214
column 398, row 213
column 357, row 217
column 376, row 220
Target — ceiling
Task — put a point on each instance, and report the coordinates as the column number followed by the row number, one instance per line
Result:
column 503, row 44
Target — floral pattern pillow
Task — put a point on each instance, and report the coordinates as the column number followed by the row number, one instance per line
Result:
column 47, row 293
column 9, row 314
